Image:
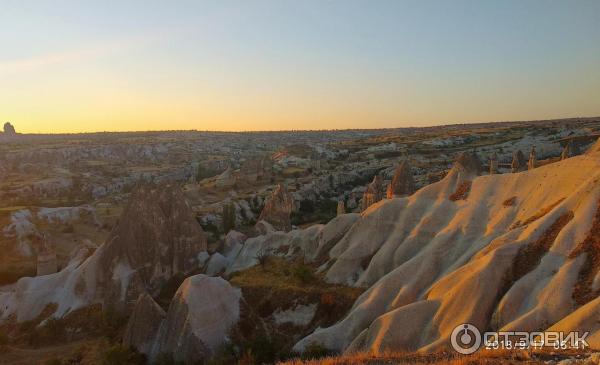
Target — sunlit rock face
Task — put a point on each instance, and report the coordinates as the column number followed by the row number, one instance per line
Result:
column 373, row 194
column 517, row 253
column 402, row 183
column 532, row 163
column 278, row 208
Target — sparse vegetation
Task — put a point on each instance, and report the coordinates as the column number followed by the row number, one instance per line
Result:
column 462, row 191
column 537, row 215
column 509, row 202
column 262, row 256
column 482, row 357
column 304, row 273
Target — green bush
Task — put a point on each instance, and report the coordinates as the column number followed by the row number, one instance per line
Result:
column 303, row 273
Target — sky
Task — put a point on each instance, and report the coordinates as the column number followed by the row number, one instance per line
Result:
column 85, row 66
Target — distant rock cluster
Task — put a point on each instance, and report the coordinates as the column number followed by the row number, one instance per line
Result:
column 9, row 129
column 468, row 163
column 251, row 171
column 278, row 208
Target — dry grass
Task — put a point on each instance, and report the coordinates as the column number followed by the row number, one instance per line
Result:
column 462, row 191
column 537, row 215
column 278, row 274
column 489, row 357
column 282, row 285
column 85, row 352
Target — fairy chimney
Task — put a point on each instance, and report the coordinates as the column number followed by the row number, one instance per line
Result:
column 278, row 208
column 468, row 162
column 518, row 162
column 494, row 164
column 532, row 164
column 373, row 194
column 566, row 152
column 402, row 183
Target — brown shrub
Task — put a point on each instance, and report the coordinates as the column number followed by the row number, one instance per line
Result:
column 510, row 201
column 462, row 191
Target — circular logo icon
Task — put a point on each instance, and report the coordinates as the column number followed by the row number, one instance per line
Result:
column 465, row 339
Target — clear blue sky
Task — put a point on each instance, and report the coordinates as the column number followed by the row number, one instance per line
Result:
column 69, row 66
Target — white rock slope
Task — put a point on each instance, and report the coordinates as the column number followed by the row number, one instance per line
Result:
column 511, row 251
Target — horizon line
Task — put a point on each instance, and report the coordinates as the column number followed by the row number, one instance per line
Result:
column 301, row 130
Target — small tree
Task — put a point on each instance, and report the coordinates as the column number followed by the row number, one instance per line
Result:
column 262, row 256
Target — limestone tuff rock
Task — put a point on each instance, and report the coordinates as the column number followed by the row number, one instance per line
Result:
column 518, row 162
column 594, row 148
column 532, row 163
column 200, row 316
column 313, row 243
column 402, row 183
column 258, row 168
column 468, row 162
column 226, row 179
column 232, row 243
column 494, row 163
column 143, row 325
column 430, row 264
column 157, row 237
column 9, row 129
column 584, row 319
column 373, row 194
column 47, row 261
column 278, row 208
column 566, row 152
